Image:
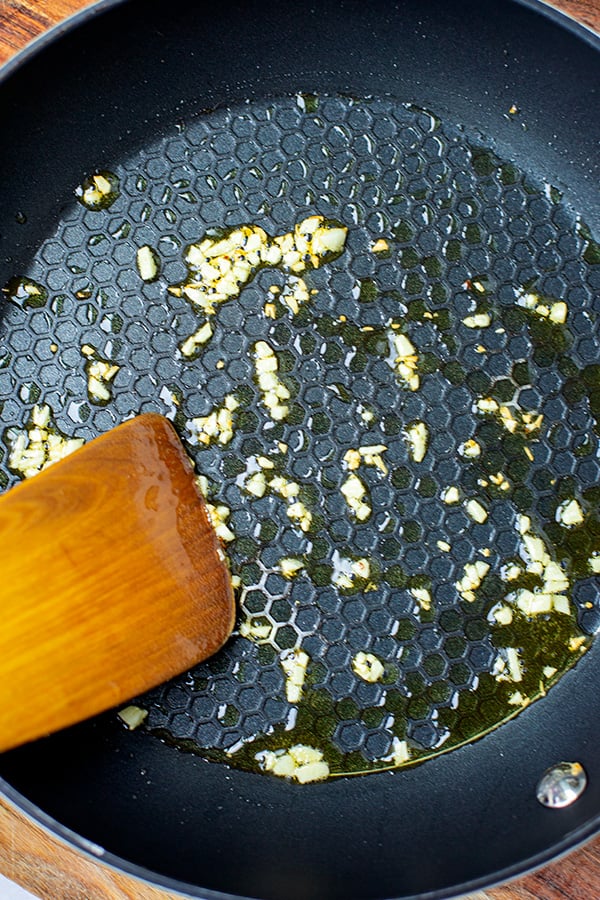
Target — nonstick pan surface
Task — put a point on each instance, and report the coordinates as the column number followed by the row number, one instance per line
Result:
column 464, row 138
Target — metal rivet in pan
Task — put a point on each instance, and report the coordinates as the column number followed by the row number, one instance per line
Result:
column 561, row 785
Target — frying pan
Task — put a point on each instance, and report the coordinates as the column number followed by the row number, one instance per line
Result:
column 118, row 87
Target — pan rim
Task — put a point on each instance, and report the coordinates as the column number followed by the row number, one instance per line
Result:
column 99, row 855
column 98, row 7
column 93, row 852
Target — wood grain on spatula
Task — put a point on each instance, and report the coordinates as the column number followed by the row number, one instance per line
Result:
column 112, row 580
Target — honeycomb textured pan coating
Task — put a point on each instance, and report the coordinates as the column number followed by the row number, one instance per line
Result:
column 469, row 260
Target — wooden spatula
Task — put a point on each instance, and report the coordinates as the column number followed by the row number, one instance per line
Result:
column 111, row 580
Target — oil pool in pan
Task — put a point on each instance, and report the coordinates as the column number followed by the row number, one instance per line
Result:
column 379, row 343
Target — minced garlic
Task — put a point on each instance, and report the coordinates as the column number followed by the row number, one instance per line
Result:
column 217, row 426
column 301, row 763
column 100, row 372
column 417, row 436
column 260, row 631
column 294, row 664
column 476, row 511
column 594, row 563
column 400, row 752
column 346, row 571
column 551, row 596
column 219, row 267
column 368, row 667
column 289, row 566
column 295, row 293
column 148, row 263
column 422, row 596
column 39, row 445
column 470, row 449
column 556, row 312
column 479, row 320
column 380, row 246
column 218, row 516
column 297, row 511
column 133, row 716
column 405, row 360
column 450, row 495
column 513, row 420
column 369, row 455
column 273, row 390
column 256, row 484
column 569, row 514
column 354, row 493
column 473, row 575
column 190, row 346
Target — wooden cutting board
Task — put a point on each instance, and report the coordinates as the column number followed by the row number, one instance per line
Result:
column 52, row 871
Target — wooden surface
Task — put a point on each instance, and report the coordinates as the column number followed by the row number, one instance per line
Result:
column 93, row 635
column 27, row 854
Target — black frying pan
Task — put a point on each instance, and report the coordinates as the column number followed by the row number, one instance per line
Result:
column 126, row 76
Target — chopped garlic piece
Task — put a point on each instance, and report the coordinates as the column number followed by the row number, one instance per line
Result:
column 219, row 267
column 294, row 664
column 302, row 763
column 217, row 426
column 218, row 516
column 380, row 246
column 98, row 191
column 273, row 390
column 256, row 484
column 400, row 752
column 422, row 596
column 299, row 513
column 514, row 664
column 100, row 373
column 295, row 293
column 196, row 340
column 147, row 263
column 289, row 566
column 476, row 511
column 368, row 667
column 512, row 420
column 370, row 455
column 556, row 312
column 346, row 571
column 480, row 320
column 444, row 546
column 503, row 615
column 569, row 513
column 594, row 563
column 405, row 360
column 354, row 493
column 550, row 596
column 517, row 699
column 500, row 481
column 450, row 495
column 417, row 436
column 473, row 575
column 39, row 445
column 487, row 404
column 260, row 631
column 133, row 716
column 471, row 449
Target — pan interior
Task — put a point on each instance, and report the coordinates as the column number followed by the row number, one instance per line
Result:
column 413, row 525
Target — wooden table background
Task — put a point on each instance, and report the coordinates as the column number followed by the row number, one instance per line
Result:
column 55, row 872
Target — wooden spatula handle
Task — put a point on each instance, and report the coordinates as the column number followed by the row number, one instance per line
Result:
column 112, row 580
